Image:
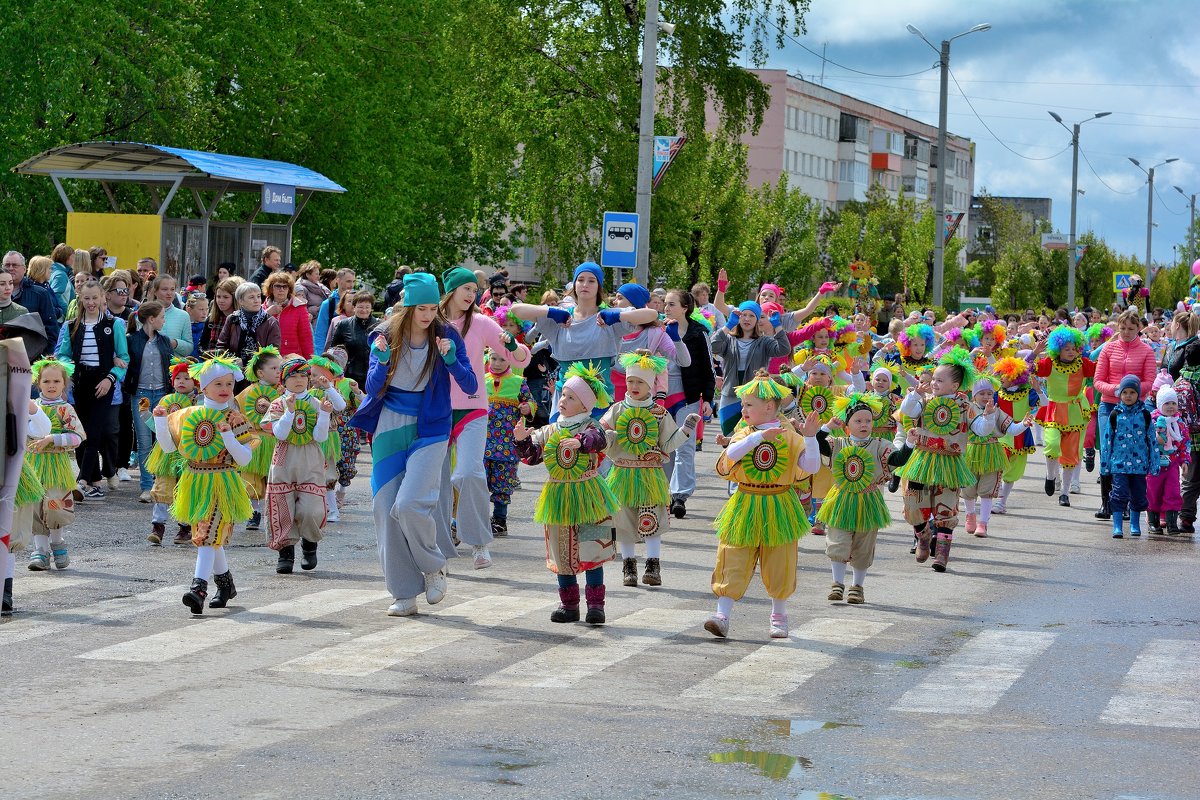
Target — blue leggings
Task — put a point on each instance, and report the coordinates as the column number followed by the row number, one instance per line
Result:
column 593, row 577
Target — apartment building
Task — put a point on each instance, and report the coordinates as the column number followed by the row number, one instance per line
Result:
column 833, row 146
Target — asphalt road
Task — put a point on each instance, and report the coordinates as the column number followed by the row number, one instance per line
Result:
column 1050, row 660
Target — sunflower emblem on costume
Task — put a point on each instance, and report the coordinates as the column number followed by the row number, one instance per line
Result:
column 856, row 466
column 175, row 401
column 257, row 402
column 199, row 437
column 766, row 462
column 637, row 431
column 564, row 462
column 304, row 422
column 942, row 416
column 818, row 399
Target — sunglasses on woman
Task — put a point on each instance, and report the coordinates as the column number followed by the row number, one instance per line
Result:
column 122, row 292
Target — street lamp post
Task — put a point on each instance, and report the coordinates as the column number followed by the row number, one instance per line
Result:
column 1073, row 258
column 645, row 168
column 1149, row 207
column 939, row 244
column 1191, row 225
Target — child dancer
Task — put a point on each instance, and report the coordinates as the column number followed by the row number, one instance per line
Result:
column 326, row 375
column 29, row 496
column 815, row 395
column 763, row 521
column 986, row 455
column 641, row 435
column 854, row 509
column 215, row 439
column 296, row 485
column 1175, row 445
column 937, row 469
column 509, row 399
column 1018, row 400
column 166, row 467
column 339, row 426
column 883, row 384
column 576, row 506
column 254, row 401
column 51, row 459
column 1065, row 414
column 1130, row 454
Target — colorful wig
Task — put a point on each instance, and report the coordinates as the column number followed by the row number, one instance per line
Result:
column 270, row 351
column 961, row 359
column 67, row 367
column 763, row 387
column 1062, row 336
column 912, row 333
column 1098, row 333
column 844, row 407
column 991, row 329
column 1012, row 371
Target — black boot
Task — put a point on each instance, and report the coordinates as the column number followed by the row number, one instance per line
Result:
column 568, row 605
column 1089, row 459
column 1173, row 523
column 226, row 591
column 629, row 571
column 6, row 607
column 1187, row 526
column 1049, row 487
column 309, row 559
column 287, row 559
column 1105, row 491
column 894, row 484
column 678, row 508
column 499, row 527
column 1154, row 523
column 595, row 604
column 196, row 596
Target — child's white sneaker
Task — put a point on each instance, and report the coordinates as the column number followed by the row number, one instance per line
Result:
column 717, row 625
column 435, row 587
column 779, row 626
column 483, row 559
column 403, row 607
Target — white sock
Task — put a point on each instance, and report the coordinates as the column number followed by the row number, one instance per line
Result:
column 778, row 607
column 41, row 543
column 56, row 537
column 159, row 513
column 220, row 563
column 331, row 500
column 256, row 505
column 969, row 503
column 839, row 571
column 725, row 606
column 654, row 546
column 11, row 561
column 860, row 575
column 204, row 562
column 1004, row 491
column 1068, row 476
column 985, row 509
column 1052, row 470
column 627, row 549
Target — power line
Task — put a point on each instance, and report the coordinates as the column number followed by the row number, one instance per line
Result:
column 993, row 133
column 1164, row 203
column 1097, row 174
column 826, row 59
column 1105, row 84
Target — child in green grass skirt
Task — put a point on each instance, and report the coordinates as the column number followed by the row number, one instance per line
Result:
column 254, row 401
column 167, row 467
column 50, row 457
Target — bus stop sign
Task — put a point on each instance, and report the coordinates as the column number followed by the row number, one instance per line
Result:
column 618, row 246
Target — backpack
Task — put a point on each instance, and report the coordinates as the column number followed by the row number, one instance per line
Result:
column 1187, row 387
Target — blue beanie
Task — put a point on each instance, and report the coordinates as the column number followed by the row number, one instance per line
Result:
column 750, row 305
column 638, row 296
column 1130, row 382
column 592, row 267
column 421, row 289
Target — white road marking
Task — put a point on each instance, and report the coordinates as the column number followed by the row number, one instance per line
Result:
column 779, row 668
column 595, row 650
column 117, row 608
column 1159, row 689
column 189, row 639
column 27, row 586
column 409, row 638
column 977, row 676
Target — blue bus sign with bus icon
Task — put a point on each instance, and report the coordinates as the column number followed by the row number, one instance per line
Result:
column 618, row 240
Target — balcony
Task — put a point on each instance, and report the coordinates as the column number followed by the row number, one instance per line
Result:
column 885, row 162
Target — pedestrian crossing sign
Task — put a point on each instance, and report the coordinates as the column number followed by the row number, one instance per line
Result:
column 1121, row 281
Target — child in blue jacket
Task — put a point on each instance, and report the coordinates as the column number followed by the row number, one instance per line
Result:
column 1131, row 455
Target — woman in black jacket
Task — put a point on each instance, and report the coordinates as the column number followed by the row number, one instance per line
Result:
column 351, row 335
column 690, row 390
column 1185, row 349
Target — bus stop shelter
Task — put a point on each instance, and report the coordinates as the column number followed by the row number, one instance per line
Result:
column 183, row 246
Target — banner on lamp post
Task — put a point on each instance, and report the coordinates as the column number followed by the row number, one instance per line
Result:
column 665, row 150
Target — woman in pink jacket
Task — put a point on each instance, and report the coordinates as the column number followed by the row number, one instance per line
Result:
column 1124, row 354
column 468, row 434
column 295, row 330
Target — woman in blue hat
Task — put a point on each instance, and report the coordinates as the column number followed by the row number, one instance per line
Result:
column 414, row 355
column 744, row 352
column 659, row 340
column 587, row 334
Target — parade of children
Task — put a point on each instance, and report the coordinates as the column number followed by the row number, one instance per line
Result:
column 446, row 428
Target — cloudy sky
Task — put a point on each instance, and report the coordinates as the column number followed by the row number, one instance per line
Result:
column 1139, row 60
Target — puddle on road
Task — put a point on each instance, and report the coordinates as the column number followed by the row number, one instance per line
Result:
column 796, row 727
column 776, row 766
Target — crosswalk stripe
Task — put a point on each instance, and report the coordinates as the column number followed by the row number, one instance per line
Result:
column 117, row 608
column 594, row 651
column 28, row 586
column 194, row 638
column 1159, row 689
column 779, row 668
column 975, row 678
column 403, row 640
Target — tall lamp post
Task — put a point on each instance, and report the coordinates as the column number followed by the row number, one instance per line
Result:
column 1073, row 257
column 1192, row 225
column 645, row 168
column 1149, row 206
column 939, row 244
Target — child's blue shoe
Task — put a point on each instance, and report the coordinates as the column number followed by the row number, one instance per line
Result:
column 1118, row 521
column 1135, row 524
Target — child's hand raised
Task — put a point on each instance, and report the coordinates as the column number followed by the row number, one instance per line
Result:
column 520, row 432
column 223, row 426
column 159, row 411
column 812, row 424
column 990, row 408
column 289, row 402
column 33, row 407
column 771, row 434
column 327, row 406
